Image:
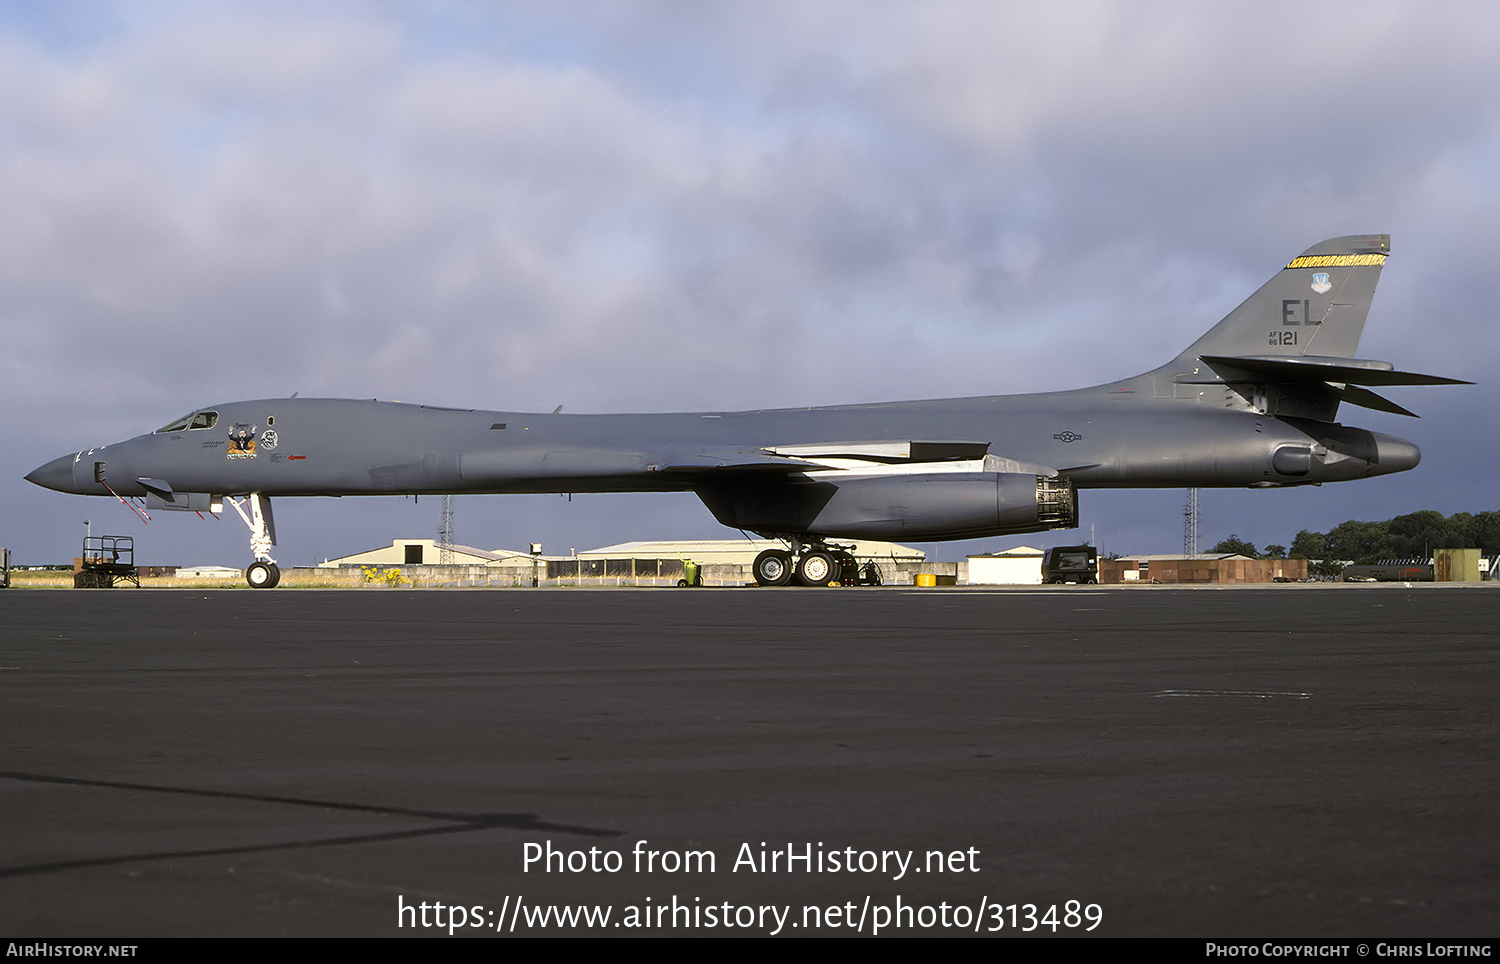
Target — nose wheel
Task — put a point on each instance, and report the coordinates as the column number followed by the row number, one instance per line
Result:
column 263, row 575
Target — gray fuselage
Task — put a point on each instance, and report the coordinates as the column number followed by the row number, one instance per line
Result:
column 1133, row 433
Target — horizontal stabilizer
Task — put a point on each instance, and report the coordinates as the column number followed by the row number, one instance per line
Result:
column 1365, row 398
column 1313, row 368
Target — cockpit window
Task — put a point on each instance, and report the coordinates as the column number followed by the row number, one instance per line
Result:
column 193, row 421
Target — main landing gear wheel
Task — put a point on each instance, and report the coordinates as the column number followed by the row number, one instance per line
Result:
column 816, row 568
column 773, row 567
column 263, row 575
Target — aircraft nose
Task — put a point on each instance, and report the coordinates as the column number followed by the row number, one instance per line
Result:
column 57, row 474
column 1396, row 454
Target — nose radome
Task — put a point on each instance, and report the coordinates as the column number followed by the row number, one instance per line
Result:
column 56, row 475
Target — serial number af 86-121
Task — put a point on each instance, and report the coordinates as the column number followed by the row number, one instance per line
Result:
column 1251, row 403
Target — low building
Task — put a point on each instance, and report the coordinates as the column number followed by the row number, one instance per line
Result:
column 208, row 572
column 1457, row 565
column 1021, row 566
column 1228, row 569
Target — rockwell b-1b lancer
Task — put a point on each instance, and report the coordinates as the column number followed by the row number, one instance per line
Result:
column 1251, row 403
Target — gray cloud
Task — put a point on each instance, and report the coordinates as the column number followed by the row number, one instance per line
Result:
column 654, row 205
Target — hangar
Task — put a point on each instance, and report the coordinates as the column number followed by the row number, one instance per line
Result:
column 425, row 552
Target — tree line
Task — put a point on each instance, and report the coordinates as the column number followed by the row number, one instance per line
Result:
column 1412, row 536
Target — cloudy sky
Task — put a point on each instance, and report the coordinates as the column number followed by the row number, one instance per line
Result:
column 648, row 206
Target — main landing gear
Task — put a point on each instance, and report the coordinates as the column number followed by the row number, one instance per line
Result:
column 813, row 564
column 263, row 572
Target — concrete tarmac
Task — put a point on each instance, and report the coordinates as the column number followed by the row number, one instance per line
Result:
column 1217, row 763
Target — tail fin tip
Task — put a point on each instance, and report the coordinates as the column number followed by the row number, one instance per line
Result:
column 1353, row 244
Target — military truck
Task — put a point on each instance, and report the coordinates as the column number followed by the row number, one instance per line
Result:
column 1078, row 564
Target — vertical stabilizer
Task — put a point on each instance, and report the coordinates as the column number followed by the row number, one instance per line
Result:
column 1316, row 305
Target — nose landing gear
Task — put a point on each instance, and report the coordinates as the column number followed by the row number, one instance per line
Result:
column 263, row 572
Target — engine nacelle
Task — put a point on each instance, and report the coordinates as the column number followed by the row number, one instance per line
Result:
column 929, row 506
